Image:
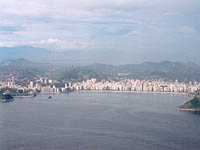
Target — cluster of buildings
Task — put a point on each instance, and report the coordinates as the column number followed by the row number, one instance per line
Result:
column 138, row 85
column 46, row 85
column 43, row 85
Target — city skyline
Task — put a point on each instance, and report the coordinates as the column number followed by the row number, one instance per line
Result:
column 48, row 85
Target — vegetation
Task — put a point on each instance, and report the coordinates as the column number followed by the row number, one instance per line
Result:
column 169, row 71
column 13, row 92
column 6, row 96
column 192, row 104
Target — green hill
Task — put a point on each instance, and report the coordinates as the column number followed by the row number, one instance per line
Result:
column 192, row 105
column 169, row 71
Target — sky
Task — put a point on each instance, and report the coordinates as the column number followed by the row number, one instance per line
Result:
column 145, row 30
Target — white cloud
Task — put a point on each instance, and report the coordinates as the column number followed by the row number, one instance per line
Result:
column 172, row 14
column 8, row 44
column 90, row 10
column 76, row 9
column 134, row 33
column 187, row 30
column 94, row 21
column 82, row 7
column 51, row 44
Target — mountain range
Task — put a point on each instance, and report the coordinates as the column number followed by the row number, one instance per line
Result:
column 91, row 56
column 166, row 70
column 72, row 57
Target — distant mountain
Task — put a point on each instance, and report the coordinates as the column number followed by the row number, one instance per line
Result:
column 72, row 57
column 16, row 62
column 27, row 52
column 150, row 70
column 167, row 70
column 91, row 56
column 164, row 66
column 21, row 68
column 85, row 57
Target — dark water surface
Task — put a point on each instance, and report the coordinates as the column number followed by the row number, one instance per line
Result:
column 99, row 121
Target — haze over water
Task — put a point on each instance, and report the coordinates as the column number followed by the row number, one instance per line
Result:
column 98, row 121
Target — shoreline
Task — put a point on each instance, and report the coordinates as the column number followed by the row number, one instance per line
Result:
column 188, row 109
column 28, row 96
column 7, row 100
column 145, row 92
column 110, row 91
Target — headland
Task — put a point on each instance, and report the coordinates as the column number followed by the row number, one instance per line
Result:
column 192, row 105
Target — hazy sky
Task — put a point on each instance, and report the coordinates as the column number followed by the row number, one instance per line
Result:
column 164, row 29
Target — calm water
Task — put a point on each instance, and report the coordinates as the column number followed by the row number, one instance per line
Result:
column 98, row 121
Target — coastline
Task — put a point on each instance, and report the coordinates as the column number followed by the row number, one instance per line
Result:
column 6, row 100
column 189, row 109
column 146, row 92
column 28, row 96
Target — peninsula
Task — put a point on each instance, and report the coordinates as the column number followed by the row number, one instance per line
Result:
column 6, row 98
column 8, row 94
column 192, row 105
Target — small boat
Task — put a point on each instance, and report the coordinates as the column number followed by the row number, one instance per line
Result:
column 50, row 97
